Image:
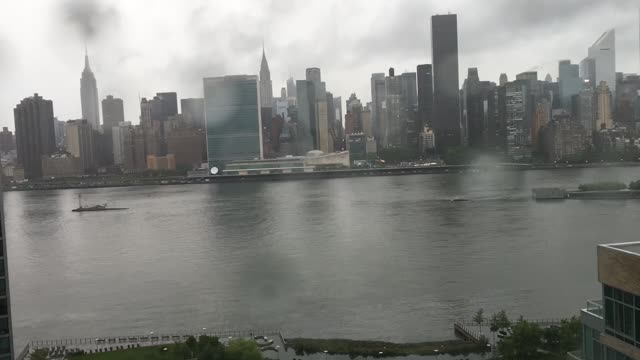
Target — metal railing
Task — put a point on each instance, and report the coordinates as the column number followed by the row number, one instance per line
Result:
column 23, row 354
column 149, row 338
column 594, row 307
column 541, row 322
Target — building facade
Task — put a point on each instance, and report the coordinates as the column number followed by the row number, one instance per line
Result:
column 587, row 108
column 377, row 102
column 193, row 112
column 121, row 137
column 61, row 166
column 603, row 54
column 112, row 111
column 446, row 97
column 232, row 115
column 7, row 142
column 425, row 95
column 35, row 134
column 89, row 95
column 79, row 142
column 611, row 325
column 518, row 134
column 603, row 104
column 7, row 351
column 569, row 81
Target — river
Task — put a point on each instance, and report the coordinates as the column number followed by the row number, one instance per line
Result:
column 389, row 258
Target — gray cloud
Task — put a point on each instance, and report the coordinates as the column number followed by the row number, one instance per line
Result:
column 183, row 42
column 89, row 17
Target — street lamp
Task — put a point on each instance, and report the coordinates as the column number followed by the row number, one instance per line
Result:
column 278, row 352
column 151, row 336
column 325, row 354
column 380, row 353
column 204, row 331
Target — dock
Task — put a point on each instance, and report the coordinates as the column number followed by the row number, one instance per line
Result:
column 465, row 332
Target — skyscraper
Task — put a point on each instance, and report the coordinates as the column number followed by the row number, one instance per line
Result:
column 112, row 111
column 503, row 79
column 478, row 110
column 337, row 105
column 121, row 138
column 79, row 142
column 266, row 88
column 319, row 107
column 7, row 142
column 232, row 115
column 89, row 95
column 603, row 104
column 425, row 95
column 193, row 111
column 603, row 53
column 377, row 100
column 168, row 105
column 518, row 134
column 291, row 91
column 569, row 81
column 446, row 97
column 35, row 134
column 586, row 108
column 306, row 117
column 588, row 71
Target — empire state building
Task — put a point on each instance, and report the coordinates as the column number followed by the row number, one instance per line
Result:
column 89, row 95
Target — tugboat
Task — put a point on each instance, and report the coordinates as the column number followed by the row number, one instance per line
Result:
column 102, row 207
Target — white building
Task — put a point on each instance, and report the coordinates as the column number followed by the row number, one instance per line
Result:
column 603, row 52
column 120, row 136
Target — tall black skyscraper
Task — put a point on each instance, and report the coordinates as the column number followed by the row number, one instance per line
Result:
column 446, row 96
column 35, row 133
column 425, row 95
column 169, row 104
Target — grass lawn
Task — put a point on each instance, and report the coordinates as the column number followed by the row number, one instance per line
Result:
column 148, row 352
column 373, row 348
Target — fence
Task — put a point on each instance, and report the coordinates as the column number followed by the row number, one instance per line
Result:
column 487, row 323
column 149, row 338
column 23, row 353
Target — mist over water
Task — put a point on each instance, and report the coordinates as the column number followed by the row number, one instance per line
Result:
column 388, row 258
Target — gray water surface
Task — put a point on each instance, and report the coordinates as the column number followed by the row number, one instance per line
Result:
column 389, row 258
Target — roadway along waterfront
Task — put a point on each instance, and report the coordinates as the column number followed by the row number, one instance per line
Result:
column 120, row 181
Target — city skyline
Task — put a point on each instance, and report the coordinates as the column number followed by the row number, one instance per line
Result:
column 129, row 71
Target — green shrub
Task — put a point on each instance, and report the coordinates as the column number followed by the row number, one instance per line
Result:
column 602, row 186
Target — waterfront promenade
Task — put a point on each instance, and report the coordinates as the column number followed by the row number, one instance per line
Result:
column 124, row 181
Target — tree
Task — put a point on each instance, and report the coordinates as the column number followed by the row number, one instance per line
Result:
column 570, row 335
column 192, row 344
column 502, row 319
column 478, row 318
column 242, row 349
column 182, row 351
column 39, row 354
column 523, row 344
column 493, row 327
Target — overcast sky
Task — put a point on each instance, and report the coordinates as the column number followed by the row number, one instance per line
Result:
column 138, row 48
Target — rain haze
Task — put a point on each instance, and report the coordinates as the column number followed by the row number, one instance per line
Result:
column 139, row 48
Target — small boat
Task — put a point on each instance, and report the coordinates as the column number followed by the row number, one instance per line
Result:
column 102, row 207
column 459, row 199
